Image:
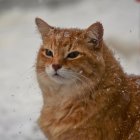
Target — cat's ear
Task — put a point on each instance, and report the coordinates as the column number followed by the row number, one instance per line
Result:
column 95, row 34
column 43, row 27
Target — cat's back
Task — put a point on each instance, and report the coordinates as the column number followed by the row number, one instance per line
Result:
column 133, row 114
column 134, row 89
column 134, row 83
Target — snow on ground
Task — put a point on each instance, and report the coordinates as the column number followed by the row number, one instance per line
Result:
column 20, row 97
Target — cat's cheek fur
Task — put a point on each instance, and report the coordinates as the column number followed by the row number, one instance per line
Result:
column 49, row 71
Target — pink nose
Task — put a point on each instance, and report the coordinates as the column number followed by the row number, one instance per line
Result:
column 56, row 66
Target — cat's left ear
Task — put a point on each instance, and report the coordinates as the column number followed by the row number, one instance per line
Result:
column 95, row 34
column 43, row 27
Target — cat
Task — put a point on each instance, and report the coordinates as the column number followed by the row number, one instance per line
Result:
column 86, row 93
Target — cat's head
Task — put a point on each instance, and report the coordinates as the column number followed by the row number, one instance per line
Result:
column 70, row 56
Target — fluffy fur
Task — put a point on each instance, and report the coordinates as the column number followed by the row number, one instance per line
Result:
column 89, row 97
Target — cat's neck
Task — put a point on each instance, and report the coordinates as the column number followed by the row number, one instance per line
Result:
column 55, row 94
column 113, row 75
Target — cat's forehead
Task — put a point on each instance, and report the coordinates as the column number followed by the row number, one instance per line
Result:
column 64, row 37
column 66, row 33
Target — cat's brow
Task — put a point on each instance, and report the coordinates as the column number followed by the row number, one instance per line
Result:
column 69, row 47
column 51, row 45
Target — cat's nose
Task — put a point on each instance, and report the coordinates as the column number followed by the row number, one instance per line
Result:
column 56, row 66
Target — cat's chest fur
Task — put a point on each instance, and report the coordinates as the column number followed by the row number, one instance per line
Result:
column 107, row 116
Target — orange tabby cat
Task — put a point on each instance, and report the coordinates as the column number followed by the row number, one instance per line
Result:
column 87, row 96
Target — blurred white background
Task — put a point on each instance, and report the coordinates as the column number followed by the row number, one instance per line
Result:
column 20, row 97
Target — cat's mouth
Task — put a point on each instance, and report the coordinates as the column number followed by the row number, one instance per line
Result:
column 61, row 76
column 58, row 78
column 56, row 75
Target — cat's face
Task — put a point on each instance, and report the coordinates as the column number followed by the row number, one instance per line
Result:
column 70, row 56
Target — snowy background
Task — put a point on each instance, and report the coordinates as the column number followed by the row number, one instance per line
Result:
column 20, row 97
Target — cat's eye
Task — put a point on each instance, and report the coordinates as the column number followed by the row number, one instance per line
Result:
column 73, row 55
column 48, row 53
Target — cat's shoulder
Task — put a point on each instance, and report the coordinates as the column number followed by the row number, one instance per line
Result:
column 134, row 86
column 134, row 79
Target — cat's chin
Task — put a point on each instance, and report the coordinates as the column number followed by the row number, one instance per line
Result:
column 60, row 79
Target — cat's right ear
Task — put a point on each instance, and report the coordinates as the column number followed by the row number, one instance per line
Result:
column 43, row 27
column 95, row 34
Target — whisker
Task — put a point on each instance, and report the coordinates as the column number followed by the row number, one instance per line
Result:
column 84, row 82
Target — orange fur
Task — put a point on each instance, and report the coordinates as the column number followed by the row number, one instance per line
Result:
column 101, row 103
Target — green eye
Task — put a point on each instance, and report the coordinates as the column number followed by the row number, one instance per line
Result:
column 48, row 53
column 73, row 54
